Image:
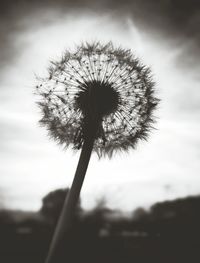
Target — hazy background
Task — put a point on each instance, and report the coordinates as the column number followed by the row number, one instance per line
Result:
column 164, row 35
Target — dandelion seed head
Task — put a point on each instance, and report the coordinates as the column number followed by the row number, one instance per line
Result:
column 98, row 82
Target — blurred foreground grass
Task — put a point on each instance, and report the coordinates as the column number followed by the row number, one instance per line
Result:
column 168, row 233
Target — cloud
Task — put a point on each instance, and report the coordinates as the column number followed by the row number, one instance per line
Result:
column 164, row 33
column 177, row 19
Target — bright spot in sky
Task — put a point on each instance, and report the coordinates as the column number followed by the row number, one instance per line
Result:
column 165, row 167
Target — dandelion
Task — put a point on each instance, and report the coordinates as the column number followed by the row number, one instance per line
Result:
column 97, row 98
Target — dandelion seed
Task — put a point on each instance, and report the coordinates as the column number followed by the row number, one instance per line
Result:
column 103, row 83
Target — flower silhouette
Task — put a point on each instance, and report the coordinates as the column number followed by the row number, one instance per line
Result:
column 96, row 98
column 103, row 85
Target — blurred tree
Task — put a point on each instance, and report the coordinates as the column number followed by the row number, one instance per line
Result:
column 53, row 202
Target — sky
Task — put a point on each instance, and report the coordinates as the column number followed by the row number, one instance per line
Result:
column 164, row 35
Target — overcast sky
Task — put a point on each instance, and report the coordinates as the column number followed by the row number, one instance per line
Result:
column 164, row 35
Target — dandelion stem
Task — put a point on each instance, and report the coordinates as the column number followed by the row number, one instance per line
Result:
column 65, row 222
